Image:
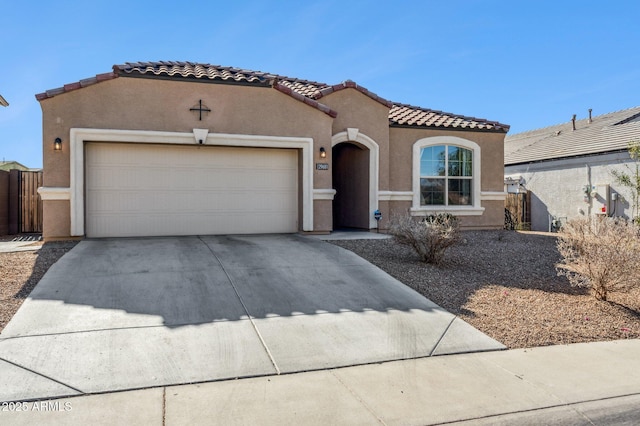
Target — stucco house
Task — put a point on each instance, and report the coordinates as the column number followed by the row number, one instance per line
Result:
column 179, row 148
column 567, row 167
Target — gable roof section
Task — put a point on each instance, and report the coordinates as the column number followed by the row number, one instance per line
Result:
column 3, row 101
column 606, row 133
column 349, row 84
column 75, row 86
column 308, row 92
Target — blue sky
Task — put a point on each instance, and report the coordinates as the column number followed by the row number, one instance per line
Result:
column 527, row 64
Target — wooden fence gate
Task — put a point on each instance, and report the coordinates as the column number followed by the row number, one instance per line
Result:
column 22, row 210
column 518, row 210
column 30, row 202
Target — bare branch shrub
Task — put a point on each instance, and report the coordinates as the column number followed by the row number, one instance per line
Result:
column 429, row 237
column 631, row 179
column 600, row 253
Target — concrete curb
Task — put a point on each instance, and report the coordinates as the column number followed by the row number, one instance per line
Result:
column 560, row 384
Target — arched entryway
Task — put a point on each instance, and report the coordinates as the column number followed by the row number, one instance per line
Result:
column 350, row 175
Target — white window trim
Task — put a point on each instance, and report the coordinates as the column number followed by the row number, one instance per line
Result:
column 199, row 136
column 354, row 135
column 476, row 208
column 395, row 195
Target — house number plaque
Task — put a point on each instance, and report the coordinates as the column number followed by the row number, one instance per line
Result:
column 322, row 166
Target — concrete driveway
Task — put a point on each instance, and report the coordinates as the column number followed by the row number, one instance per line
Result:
column 118, row 314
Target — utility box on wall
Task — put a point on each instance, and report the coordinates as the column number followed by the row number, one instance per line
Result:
column 600, row 199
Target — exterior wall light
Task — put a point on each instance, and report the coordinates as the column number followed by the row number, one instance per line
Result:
column 57, row 144
column 323, row 153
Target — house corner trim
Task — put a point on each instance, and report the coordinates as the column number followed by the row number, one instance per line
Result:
column 493, row 195
column 51, row 193
column 324, row 194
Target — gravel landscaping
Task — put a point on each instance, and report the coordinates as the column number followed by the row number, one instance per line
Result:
column 21, row 271
column 505, row 284
column 502, row 282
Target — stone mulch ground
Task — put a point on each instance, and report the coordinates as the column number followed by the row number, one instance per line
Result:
column 502, row 282
column 505, row 284
column 21, row 271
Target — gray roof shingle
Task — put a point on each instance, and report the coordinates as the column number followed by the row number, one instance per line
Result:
column 606, row 133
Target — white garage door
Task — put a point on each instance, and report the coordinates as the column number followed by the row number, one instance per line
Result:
column 150, row 190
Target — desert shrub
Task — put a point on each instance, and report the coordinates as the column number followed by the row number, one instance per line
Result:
column 631, row 178
column 600, row 253
column 429, row 237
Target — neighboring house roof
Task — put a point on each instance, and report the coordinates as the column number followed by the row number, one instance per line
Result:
column 3, row 101
column 606, row 133
column 10, row 165
column 305, row 91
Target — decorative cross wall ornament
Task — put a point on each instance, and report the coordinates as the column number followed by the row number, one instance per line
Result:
column 200, row 109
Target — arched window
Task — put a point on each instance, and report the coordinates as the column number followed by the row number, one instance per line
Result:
column 446, row 176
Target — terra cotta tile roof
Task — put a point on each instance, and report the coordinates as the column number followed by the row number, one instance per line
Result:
column 193, row 71
column 413, row 116
column 75, row 86
column 305, row 91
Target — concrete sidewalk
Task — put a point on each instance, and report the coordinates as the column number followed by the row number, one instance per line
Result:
column 14, row 246
column 594, row 383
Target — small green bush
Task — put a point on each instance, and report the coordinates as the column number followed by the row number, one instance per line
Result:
column 429, row 237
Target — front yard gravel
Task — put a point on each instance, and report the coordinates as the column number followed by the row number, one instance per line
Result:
column 502, row 282
column 21, row 271
column 505, row 284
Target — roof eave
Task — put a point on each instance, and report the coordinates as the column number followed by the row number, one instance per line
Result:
column 460, row 129
column 75, row 86
column 565, row 157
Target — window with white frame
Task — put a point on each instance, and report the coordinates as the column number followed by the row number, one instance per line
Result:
column 446, row 176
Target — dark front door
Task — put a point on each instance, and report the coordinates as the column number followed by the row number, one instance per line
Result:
column 351, row 182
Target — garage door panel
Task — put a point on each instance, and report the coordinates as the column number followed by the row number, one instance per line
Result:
column 138, row 190
column 164, row 224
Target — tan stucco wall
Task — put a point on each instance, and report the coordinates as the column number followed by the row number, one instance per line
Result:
column 56, row 219
column 492, row 167
column 322, row 216
column 161, row 105
column 491, row 146
column 370, row 117
column 390, row 209
column 492, row 218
